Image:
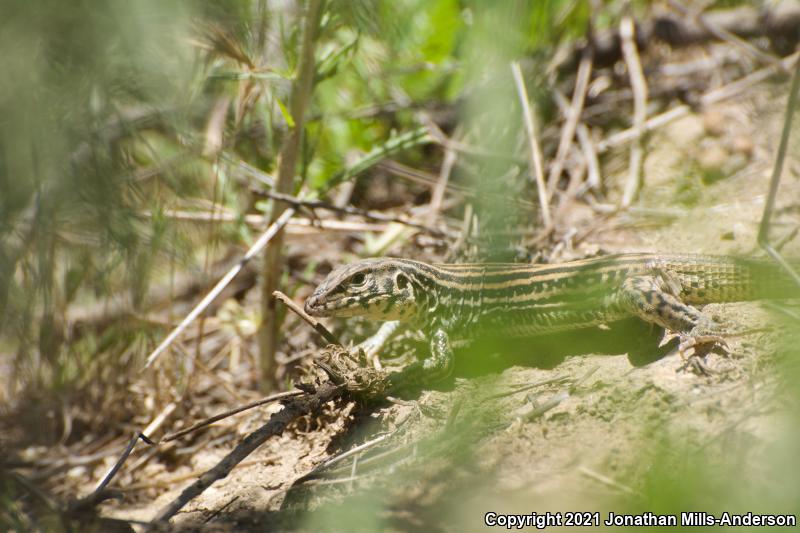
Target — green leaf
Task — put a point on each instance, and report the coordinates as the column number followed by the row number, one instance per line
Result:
column 285, row 112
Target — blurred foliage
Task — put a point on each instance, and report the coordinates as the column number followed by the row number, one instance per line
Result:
column 79, row 82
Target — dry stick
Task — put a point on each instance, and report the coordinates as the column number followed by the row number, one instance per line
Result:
column 594, row 179
column 439, row 137
column 287, row 164
column 712, row 97
column 319, row 204
column 552, row 402
column 724, row 35
column 277, row 423
column 341, row 457
column 259, row 245
column 536, row 168
column 231, row 412
column 258, row 221
column 572, row 116
column 424, row 178
column 463, row 234
column 99, row 493
column 777, row 170
column 639, row 87
column 314, row 323
column 605, row 480
column 437, row 196
column 560, row 396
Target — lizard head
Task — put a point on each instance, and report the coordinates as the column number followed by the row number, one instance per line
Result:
column 380, row 289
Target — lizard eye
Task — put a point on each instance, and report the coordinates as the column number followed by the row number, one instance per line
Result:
column 358, row 279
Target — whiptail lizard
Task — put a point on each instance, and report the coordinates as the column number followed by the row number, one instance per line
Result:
column 464, row 301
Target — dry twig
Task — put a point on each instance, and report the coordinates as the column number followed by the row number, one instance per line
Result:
column 373, row 215
column 723, row 34
column 216, row 418
column 294, row 408
column 712, row 97
column 313, row 322
column 639, row 86
column 437, row 196
column 572, row 115
column 257, row 247
column 536, row 165
column 594, row 179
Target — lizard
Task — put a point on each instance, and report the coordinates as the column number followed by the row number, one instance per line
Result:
column 460, row 302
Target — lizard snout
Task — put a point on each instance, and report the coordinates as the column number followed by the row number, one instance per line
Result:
column 312, row 305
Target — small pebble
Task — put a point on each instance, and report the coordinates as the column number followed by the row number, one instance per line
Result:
column 714, row 123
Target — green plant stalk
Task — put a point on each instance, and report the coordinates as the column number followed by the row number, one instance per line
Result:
column 273, row 258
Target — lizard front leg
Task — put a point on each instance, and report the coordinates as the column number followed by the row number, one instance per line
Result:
column 655, row 299
column 436, row 367
column 374, row 344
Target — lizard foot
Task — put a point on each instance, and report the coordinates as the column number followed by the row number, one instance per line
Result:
column 370, row 352
column 701, row 344
column 693, row 349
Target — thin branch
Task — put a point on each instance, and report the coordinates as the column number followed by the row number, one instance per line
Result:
column 313, row 322
column 294, row 408
column 258, row 221
column 605, row 480
column 423, row 178
column 639, row 87
column 777, row 170
column 216, row 418
column 572, row 116
column 257, row 247
column 100, row 493
column 272, row 267
column 724, row 35
column 535, row 166
column 437, row 195
column 712, row 97
column 371, row 215
column 439, row 137
column 594, row 178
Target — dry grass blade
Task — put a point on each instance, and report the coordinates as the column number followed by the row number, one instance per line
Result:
column 572, row 114
column 437, row 196
column 216, row 418
column 594, row 179
column 639, row 86
column 777, row 171
column 536, row 164
column 711, row 97
column 723, row 34
column 257, row 247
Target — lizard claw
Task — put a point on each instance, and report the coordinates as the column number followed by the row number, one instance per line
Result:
column 370, row 352
column 701, row 344
column 694, row 348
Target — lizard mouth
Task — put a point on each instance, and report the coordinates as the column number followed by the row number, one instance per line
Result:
column 314, row 307
column 317, row 306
